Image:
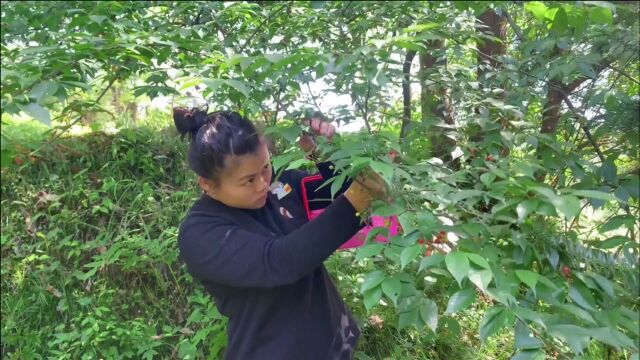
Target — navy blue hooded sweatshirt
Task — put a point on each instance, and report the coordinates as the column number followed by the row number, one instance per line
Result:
column 264, row 268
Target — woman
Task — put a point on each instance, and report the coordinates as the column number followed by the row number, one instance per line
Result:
column 247, row 240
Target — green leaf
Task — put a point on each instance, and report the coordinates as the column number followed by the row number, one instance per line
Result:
column 458, row 265
column 569, row 205
column 617, row 222
column 524, row 337
column 587, row 70
column 481, row 278
column 37, row 112
column 296, row 164
column 487, row 178
column 407, row 45
column 460, row 300
column 609, row 171
column 382, row 209
column 368, row 251
column 593, row 194
column 478, row 260
column 427, row 221
column 407, row 221
column 408, row 254
column 97, row 18
column 315, row 4
column 421, row 27
column 528, row 277
column 380, row 79
column 372, row 297
column 542, row 279
column 529, row 355
column 430, row 261
column 384, row 169
column 239, row 86
column 336, row 185
column 603, row 283
column 274, row 58
column 530, row 315
column 577, row 337
column 601, row 15
column 465, row 194
column 43, row 90
column 392, row 287
column 560, row 20
column 375, row 232
column 372, row 280
column 582, row 296
column 613, row 337
column 407, row 318
column 611, row 242
column 525, row 208
column 537, row 9
column 429, row 314
column 493, row 320
column 281, row 160
column 213, row 84
column 578, row 312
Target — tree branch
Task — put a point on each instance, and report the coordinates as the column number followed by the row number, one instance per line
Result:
column 625, row 74
column 406, row 92
column 586, row 130
column 514, row 26
column 246, row 43
column 366, row 107
column 76, row 120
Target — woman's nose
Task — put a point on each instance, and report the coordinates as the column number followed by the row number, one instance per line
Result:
column 265, row 183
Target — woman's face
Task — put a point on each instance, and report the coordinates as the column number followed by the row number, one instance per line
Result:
column 244, row 181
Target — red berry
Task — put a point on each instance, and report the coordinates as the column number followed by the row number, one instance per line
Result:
column 566, row 270
column 490, row 158
column 18, row 160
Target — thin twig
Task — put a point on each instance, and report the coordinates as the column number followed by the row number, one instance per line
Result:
column 625, row 74
column 573, row 109
column 313, row 97
column 514, row 26
column 586, row 130
column 366, row 107
column 243, row 48
column 76, row 120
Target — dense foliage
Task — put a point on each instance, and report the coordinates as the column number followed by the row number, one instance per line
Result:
column 517, row 184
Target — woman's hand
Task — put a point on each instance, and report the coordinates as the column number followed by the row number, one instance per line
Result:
column 318, row 128
column 365, row 188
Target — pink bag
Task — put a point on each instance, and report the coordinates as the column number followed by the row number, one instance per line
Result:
column 360, row 237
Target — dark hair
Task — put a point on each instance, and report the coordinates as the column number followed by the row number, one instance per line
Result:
column 214, row 136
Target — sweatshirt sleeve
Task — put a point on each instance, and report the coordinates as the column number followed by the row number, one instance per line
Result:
column 227, row 254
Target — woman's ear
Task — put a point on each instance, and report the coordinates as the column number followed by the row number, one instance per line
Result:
column 206, row 185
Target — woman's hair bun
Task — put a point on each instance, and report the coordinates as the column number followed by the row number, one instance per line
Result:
column 189, row 121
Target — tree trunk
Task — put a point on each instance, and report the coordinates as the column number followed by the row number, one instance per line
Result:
column 494, row 25
column 552, row 113
column 435, row 105
column 406, row 93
